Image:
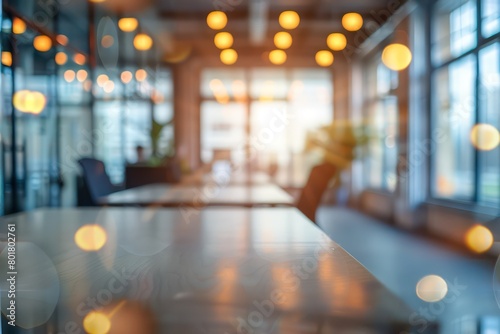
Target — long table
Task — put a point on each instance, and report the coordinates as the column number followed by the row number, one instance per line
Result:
column 199, row 196
column 215, row 270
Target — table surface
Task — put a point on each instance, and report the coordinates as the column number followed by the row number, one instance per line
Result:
column 215, row 270
column 240, row 177
column 199, row 196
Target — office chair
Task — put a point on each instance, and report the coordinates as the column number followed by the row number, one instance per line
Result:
column 96, row 179
column 316, row 185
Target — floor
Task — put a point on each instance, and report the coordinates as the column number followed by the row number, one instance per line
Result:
column 400, row 259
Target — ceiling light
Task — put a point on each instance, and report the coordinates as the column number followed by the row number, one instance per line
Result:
column 277, row 57
column 141, row 75
column 79, row 59
column 31, row 102
column 126, row 77
column 324, row 58
column 18, row 26
column 228, row 56
column 336, row 41
column 109, row 86
column 102, row 79
column 396, row 56
column 128, row 24
column 81, row 75
column 223, row 40
column 143, row 42
column 42, row 43
column 289, row 20
column 352, row 21
column 69, row 75
column 6, row 58
column 62, row 39
column 61, row 58
column 217, row 20
column 283, row 40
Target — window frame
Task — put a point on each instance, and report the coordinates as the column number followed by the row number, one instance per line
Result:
column 368, row 102
column 482, row 43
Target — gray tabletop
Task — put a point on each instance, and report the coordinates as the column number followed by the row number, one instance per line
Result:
column 216, row 270
column 199, row 196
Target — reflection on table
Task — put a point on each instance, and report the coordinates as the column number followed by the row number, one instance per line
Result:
column 232, row 270
column 212, row 194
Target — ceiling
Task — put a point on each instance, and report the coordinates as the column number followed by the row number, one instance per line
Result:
column 177, row 25
column 317, row 7
column 184, row 21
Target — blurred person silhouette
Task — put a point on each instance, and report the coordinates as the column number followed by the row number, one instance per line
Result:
column 141, row 158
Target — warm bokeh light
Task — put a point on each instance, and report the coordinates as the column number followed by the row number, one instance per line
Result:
column 128, row 24
column 107, row 41
column 396, row 56
column 179, row 54
column 432, row 288
column 42, row 43
column 485, row 137
column 215, row 84
column 143, row 42
column 79, row 59
column 277, row 57
column 126, row 316
column 109, row 86
column 87, row 85
column 141, row 75
column 228, row 56
column 324, row 58
column 126, row 77
column 62, row 39
column 479, row 239
column 102, row 79
column 91, row 237
column 289, row 20
column 336, row 41
column 239, row 90
column 445, row 186
column 31, row 102
column 69, row 75
column 217, row 20
column 157, row 97
column 352, row 21
column 219, row 91
column 61, row 58
column 18, row 26
column 267, row 91
column 96, row 322
column 283, row 40
column 81, row 75
column 223, row 40
column 6, row 58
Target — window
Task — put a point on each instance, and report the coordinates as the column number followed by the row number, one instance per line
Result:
column 124, row 116
column 490, row 17
column 380, row 110
column 489, row 98
column 465, row 87
column 272, row 109
column 455, row 29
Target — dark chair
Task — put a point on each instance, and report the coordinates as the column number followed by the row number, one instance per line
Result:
column 315, row 187
column 96, row 179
